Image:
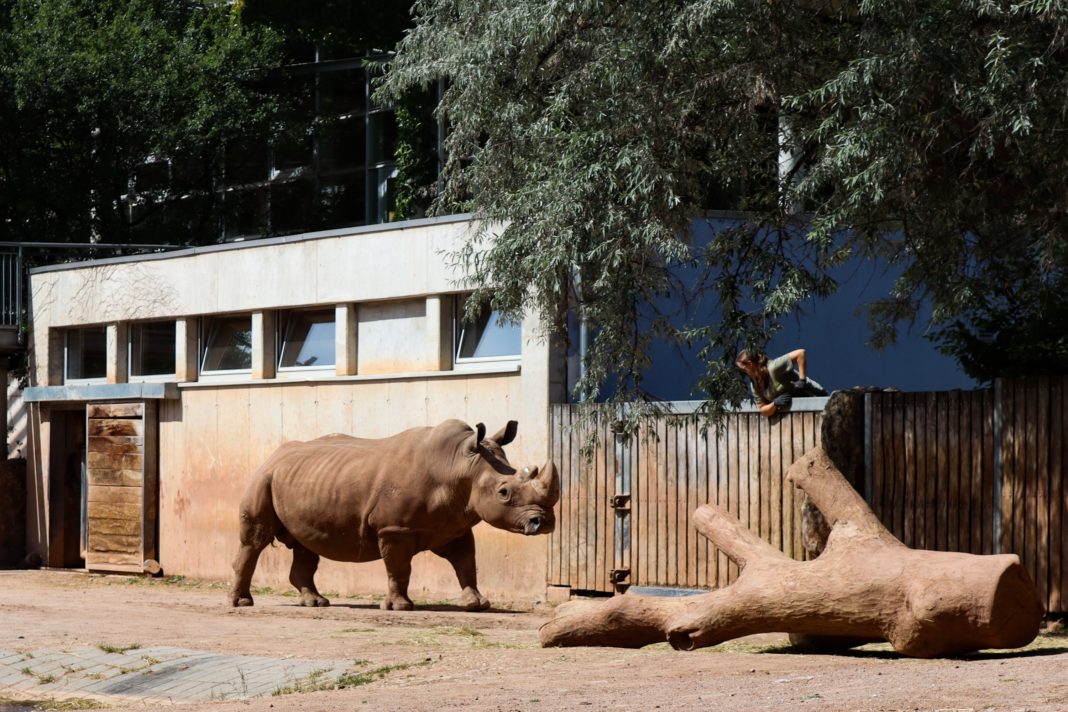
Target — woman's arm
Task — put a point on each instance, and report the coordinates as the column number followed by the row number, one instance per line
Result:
column 767, row 409
column 798, row 357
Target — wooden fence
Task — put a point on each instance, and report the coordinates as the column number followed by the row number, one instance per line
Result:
column 625, row 513
column 980, row 471
column 976, row 471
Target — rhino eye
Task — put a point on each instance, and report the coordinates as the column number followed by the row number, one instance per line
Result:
column 503, row 493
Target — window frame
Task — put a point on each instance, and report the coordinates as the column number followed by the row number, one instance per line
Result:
column 281, row 332
column 67, row 380
column 131, row 377
column 458, row 328
column 207, row 324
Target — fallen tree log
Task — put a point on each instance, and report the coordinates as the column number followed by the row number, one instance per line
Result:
column 866, row 586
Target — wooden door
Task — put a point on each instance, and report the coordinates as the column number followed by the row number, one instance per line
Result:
column 122, row 490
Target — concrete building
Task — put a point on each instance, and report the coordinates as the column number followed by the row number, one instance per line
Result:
column 160, row 382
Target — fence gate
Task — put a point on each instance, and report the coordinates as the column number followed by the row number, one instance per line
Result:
column 626, row 506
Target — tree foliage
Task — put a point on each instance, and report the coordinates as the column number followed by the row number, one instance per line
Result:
column 594, row 133
column 90, row 89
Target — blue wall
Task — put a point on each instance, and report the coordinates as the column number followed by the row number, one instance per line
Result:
column 834, row 333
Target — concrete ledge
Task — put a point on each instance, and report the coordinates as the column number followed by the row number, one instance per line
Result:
column 799, row 405
column 290, row 379
column 101, row 391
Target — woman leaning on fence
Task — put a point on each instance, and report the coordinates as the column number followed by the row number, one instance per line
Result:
column 775, row 383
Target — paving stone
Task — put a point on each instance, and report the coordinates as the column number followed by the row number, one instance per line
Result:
column 169, row 675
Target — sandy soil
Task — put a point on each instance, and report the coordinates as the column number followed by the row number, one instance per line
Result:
column 442, row 658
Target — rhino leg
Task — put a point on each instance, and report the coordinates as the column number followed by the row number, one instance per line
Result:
column 302, row 576
column 460, row 553
column 256, row 534
column 397, row 552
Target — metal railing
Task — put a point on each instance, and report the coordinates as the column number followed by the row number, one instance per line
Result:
column 11, row 288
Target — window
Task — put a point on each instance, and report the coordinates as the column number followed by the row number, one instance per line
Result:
column 308, row 339
column 227, row 344
column 485, row 338
column 86, row 354
column 152, row 349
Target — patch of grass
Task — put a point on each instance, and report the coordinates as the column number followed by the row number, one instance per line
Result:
column 316, row 681
column 41, row 678
column 310, row 683
column 109, row 648
column 465, row 634
column 177, row 581
column 151, row 660
column 358, row 630
column 52, row 704
column 355, row 679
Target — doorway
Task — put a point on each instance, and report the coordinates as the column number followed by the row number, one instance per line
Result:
column 67, row 489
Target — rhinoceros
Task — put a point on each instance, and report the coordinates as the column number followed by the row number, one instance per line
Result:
column 355, row 499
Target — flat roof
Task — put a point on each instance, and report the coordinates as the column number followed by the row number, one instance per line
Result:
column 257, row 242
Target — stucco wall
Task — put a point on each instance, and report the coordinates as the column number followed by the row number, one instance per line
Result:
column 214, row 438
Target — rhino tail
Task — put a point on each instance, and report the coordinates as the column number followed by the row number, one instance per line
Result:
column 260, row 524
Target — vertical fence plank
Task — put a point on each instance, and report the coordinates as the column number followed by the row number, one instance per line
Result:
column 705, row 573
column 876, row 428
column 789, row 502
column 774, row 478
column 726, row 490
column 567, row 496
column 640, row 530
column 555, row 439
column 908, row 433
column 660, row 556
column 1061, row 449
column 600, row 509
column 976, row 522
column 694, row 477
column 900, row 481
column 923, row 487
column 739, row 476
column 1030, row 520
column 952, row 471
column 964, row 461
column 1042, row 487
column 988, row 488
column 931, row 482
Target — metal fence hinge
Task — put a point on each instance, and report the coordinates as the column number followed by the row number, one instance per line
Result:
column 620, row 501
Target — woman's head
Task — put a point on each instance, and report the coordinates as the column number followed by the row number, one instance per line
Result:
column 752, row 362
column 755, row 365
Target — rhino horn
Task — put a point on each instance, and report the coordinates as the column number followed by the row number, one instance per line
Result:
column 545, row 481
column 506, row 434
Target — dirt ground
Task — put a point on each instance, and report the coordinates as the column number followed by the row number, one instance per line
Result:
column 442, row 658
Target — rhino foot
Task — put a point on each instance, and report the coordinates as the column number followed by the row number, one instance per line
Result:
column 239, row 601
column 397, row 604
column 473, row 601
column 313, row 600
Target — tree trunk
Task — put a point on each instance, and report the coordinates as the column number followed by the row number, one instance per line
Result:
column 866, row 586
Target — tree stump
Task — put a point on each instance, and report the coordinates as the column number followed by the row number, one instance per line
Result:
column 866, row 586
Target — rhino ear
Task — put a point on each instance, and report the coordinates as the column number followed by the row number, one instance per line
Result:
column 478, row 437
column 506, row 434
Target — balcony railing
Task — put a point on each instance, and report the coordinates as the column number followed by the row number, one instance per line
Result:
column 11, row 289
